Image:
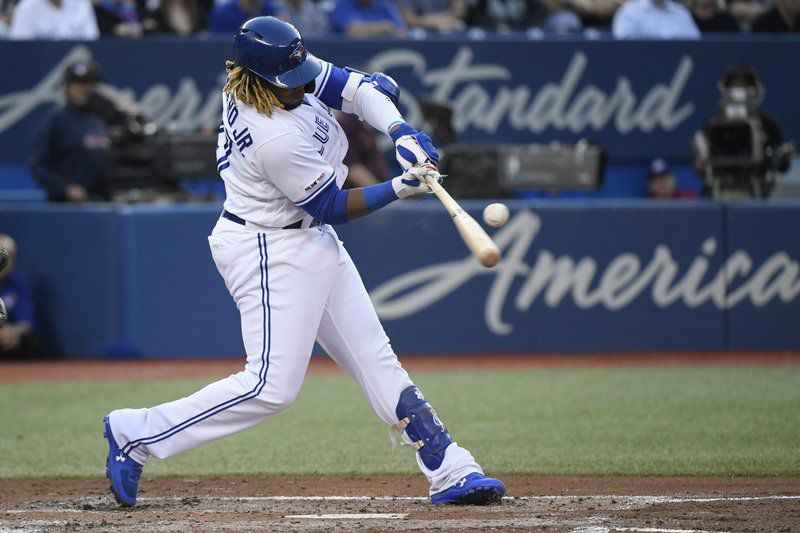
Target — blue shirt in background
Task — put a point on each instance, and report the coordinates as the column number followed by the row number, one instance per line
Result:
column 15, row 294
column 228, row 17
column 349, row 12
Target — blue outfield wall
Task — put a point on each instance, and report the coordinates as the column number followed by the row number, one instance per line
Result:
column 599, row 276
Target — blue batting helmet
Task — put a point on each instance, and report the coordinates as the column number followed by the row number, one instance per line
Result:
column 274, row 50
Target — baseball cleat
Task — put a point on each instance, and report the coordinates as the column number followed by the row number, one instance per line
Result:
column 475, row 489
column 121, row 470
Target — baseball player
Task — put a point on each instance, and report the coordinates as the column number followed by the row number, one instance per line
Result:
column 280, row 154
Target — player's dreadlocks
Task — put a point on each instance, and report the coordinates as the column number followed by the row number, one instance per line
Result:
column 244, row 86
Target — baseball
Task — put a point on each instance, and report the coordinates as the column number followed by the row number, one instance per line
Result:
column 496, row 215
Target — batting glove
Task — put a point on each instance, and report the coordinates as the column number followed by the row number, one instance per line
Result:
column 413, row 147
column 410, row 184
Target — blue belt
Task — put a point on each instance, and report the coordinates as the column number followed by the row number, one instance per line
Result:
column 239, row 220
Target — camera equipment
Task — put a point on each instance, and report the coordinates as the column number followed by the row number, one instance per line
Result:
column 738, row 157
column 492, row 171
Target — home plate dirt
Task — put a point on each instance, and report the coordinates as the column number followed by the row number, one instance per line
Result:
column 573, row 504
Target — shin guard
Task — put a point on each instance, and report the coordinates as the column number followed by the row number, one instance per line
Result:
column 422, row 426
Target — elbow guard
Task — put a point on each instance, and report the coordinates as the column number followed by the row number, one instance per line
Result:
column 385, row 85
column 378, row 80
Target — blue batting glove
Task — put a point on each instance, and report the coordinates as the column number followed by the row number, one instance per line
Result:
column 412, row 147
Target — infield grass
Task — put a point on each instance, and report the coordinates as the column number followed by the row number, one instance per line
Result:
column 660, row 421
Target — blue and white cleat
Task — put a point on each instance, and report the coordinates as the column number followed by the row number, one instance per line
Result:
column 121, row 470
column 475, row 489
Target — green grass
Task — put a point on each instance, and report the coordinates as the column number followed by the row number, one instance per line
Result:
column 677, row 421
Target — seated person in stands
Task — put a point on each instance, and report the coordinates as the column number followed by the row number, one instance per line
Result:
column 661, row 183
column 784, row 17
column 16, row 335
column 68, row 154
column 228, row 15
column 654, row 19
column 713, row 16
column 367, row 18
column 435, row 15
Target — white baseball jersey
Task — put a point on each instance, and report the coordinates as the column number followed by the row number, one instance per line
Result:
column 273, row 165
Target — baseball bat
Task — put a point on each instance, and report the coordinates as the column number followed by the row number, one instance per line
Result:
column 479, row 243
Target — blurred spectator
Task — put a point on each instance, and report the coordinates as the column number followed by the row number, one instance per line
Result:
column 654, row 19
column 118, row 18
column 561, row 18
column 435, row 15
column 364, row 159
column 746, row 11
column 6, row 8
column 712, row 16
column 367, row 18
column 783, row 18
column 54, row 19
column 169, row 16
column 16, row 336
column 228, row 16
column 305, row 15
column 661, row 183
column 506, row 15
column 68, row 154
column 595, row 12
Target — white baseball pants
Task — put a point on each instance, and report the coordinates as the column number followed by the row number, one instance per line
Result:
column 292, row 287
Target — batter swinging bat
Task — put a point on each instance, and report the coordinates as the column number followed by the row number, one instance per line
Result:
column 480, row 244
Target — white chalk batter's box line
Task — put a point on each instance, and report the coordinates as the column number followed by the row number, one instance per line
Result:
column 631, row 498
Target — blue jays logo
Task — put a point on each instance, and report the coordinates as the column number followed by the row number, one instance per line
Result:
column 299, row 53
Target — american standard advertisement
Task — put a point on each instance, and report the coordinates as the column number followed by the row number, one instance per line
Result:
column 598, row 90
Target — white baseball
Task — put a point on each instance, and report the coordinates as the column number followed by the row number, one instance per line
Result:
column 496, row 215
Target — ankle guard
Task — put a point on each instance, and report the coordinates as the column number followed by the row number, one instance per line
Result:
column 422, row 427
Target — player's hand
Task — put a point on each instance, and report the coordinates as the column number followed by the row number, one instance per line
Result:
column 411, row 184
column 412, row 147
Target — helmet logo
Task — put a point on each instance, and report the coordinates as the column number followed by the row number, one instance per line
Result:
column 299, row 53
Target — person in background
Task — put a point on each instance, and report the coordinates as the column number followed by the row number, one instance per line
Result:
column 16, row 335
column 784, row 17
column 180, row 17
column 367, row 18
column 713, row 16
column 435, row 15
column 6, row 9
column 654, row 19
column 54, row 20
column 561, row 18
column 506, row 15
column 595, row 13
column 118, row 18
column 662, row 185
column 68, row 155
column 228, row 16
column 305, row 15
column 364, row 159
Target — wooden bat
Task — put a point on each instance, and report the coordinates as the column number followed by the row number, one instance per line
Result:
column 480, row 244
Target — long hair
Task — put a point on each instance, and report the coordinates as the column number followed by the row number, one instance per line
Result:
column 245, row 87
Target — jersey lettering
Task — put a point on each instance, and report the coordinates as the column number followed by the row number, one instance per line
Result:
column 243, row 139
column 233, row 113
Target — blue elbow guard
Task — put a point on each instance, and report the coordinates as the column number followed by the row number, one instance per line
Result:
column 385, row 85
column 423, row 427
column 381, row 82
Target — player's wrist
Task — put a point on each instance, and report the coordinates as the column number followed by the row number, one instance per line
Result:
column 380, row 195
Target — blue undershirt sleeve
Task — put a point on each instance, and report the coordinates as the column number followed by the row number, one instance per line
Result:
column 330, row 205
